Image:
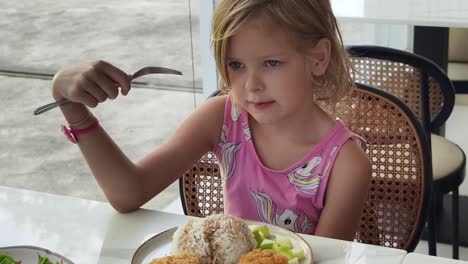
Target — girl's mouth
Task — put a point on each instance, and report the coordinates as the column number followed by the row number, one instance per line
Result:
column 263, row 105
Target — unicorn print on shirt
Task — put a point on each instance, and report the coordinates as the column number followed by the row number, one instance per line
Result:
column 246, row 130
column 304, row 179
column 228, row 159
column 267, row 211
column 327, row 168
column 223, row 138
column 229, row 150
column 234, row 113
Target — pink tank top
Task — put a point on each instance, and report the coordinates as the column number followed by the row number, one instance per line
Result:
column 292, row 198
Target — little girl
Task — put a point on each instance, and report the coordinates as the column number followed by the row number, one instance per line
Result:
column 284, row 160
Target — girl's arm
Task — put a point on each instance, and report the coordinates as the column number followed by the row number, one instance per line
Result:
column 346, row 193
column 129, row 185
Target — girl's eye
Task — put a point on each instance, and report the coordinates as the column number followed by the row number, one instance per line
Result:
column 272, row 63
column 235, row 65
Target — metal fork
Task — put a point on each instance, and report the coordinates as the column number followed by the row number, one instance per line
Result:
column 139, row 73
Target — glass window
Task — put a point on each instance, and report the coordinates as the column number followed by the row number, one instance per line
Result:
column 40, row 37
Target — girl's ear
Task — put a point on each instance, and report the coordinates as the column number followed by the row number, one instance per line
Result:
column 319, row 57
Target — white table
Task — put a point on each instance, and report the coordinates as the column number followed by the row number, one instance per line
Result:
column 415, row 258
column 92, row 232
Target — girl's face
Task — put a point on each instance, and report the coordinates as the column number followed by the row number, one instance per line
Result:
column 270, row 77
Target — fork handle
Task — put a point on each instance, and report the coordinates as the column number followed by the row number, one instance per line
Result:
column 47, row 107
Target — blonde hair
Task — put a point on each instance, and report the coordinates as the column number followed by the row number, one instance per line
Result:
column 309, row 20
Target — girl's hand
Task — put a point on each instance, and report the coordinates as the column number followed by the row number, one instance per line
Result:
column 90, row 83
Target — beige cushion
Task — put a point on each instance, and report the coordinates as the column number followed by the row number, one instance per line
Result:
column 458, row 37
column 446, row 156
column 457, row 71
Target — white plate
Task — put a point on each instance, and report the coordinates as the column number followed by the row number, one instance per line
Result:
column 29, row 254
column 160, row 245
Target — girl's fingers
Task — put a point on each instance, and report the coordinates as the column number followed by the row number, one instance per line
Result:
column 116, row 75
column 126, row 91
column 93, row 89
column 106, row 84
column 87, row 99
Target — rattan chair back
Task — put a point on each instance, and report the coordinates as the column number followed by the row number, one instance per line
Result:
column 418, row 82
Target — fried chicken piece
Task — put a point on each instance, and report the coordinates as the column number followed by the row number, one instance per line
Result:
column 184, row 258
column 266, row 256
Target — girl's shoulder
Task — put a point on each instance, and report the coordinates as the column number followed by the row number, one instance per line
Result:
column 215, row 106
column 211, row 115
column 216, row 102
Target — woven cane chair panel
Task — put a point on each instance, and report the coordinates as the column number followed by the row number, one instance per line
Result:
column 392, row 211
column 401, row 80
column 393, row 207
column 202, row 188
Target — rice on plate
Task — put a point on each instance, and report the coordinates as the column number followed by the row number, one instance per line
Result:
column 215, row 239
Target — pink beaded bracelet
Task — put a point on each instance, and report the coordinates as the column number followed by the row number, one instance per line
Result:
column 72, row 134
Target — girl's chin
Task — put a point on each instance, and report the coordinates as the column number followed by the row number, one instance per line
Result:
column 264, row 119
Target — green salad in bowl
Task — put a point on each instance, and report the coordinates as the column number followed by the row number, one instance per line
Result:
column 5, row 258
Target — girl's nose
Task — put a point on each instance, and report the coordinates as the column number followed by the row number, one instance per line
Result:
column 254, row 83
